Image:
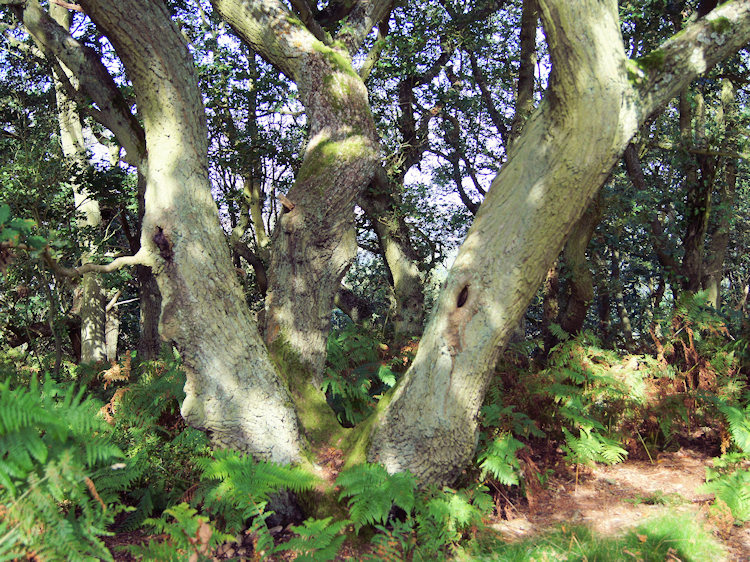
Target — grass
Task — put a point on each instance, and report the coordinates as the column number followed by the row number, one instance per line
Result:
column 669, row 537
column 657, row 498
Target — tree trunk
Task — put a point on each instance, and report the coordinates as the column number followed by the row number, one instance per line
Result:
column 622, row 310
column 579, row 281
column 407, row 303
column 314, row 241
column 232, row 390
column 93, row 346
column 699, row 187
column 714, row 267
column 149, row 342
column 564, row 155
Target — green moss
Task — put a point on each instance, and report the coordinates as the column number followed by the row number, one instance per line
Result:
column 328, row 153
column 357, row 441
column 337, row 57
column 635, row 72
column 652, row 61
column 318, row 421
column 720, row 25
column 295, row 21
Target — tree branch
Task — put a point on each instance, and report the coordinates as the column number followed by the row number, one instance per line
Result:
column 95, row 81
column 663, row 73
column 365, row 15
column 307, row 17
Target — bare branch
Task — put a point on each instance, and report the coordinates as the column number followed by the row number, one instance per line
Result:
column 68, row 5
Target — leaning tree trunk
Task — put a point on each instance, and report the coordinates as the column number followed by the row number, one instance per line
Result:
column 233, row 391
column 564, row 155
column 93, row 347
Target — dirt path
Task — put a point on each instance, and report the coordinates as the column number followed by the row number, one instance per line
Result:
column 610, row 499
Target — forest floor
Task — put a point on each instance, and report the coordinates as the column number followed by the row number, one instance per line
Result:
column 612, row 499
column 608, row 499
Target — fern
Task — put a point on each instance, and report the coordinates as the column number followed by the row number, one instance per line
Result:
column 733, row 489
column 499, row 459
column 394, row 542
column 190, row 536
column 739, row 425
column 319, row 540
column 355, row 374
column 238, row 488
column 373, row 492
column 56, row 485
column 442, row 516
column 590, row 447
column 161, row 452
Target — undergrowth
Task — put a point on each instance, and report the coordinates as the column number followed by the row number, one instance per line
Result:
column 110, row 453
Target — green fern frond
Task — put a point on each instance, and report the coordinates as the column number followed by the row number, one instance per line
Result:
column 739, row 425
column 373, row 492
column 499, row 459
column 319, row 540
column 734, row 490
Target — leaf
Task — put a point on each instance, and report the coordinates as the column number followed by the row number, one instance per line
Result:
column 4, row 213
column 22, row 225
column 37, row 242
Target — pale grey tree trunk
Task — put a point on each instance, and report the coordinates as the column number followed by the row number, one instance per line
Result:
column 595, row 103
column 233, row 391
column 93, row 347
column 314, row 241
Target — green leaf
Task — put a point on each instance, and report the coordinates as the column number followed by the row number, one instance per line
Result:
column 22, row 225
column 4, row 213
column 37, row 242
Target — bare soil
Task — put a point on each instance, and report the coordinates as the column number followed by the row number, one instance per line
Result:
column 611, row 499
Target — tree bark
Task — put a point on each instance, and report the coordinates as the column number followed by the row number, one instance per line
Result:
column 93, row 339
column 714, row 267
column 314, row 242
column 232, row 390
column 595, row 103
column 579, row 281
column 699, row 178
column 407, row 299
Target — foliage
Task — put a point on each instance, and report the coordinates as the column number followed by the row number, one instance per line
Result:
column 670, row 537
column 317, row 540
column 356, row 374
column 372, row 493
column 237, row 488
column 733, row 489
column 58, row 472
column 189, row 536
column 150, row 431
column 588, row 391
column 424, row 522
column 499, row 460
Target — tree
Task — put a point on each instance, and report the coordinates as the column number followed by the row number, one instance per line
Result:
column 595, row 103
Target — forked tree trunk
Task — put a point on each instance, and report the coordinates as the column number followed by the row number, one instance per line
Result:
column 233, row 391
column 566, row 152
